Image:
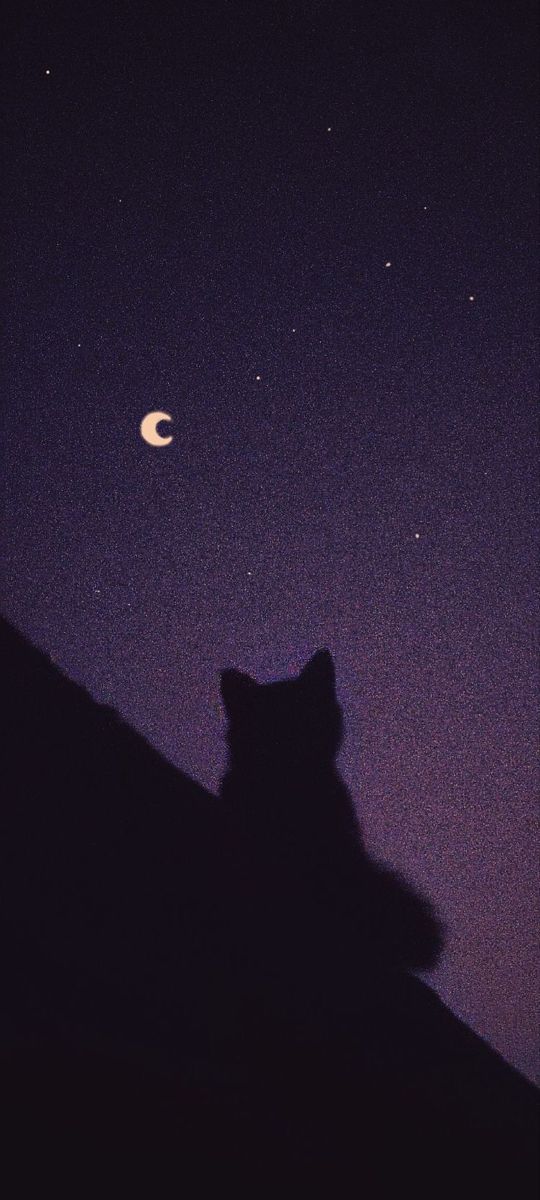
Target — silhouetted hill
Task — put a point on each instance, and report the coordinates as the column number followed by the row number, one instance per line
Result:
column 110, row 861
column 201, row 992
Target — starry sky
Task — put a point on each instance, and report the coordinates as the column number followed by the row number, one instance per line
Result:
column 307, row 231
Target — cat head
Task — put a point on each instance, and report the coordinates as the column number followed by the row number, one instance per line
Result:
column 287, row 724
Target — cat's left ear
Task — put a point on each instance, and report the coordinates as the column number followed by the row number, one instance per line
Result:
column 318, row 674
column 236, row 688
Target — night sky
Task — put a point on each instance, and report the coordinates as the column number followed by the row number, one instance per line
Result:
column 307, row 231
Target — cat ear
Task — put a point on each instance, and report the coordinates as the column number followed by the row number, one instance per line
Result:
column 319, row 674
column 236, row 688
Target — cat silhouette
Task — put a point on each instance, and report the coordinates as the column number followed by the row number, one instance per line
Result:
column 316, row 904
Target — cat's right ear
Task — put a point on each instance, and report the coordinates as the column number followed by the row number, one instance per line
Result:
column 236, row 689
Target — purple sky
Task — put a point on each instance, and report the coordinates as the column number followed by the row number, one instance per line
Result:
column 201, row 194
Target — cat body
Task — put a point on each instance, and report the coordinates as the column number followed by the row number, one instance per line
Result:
column 318, row 913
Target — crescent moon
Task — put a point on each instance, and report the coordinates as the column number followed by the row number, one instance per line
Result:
column 149, row 431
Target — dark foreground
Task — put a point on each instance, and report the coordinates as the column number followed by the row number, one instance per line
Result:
column 204, row 994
